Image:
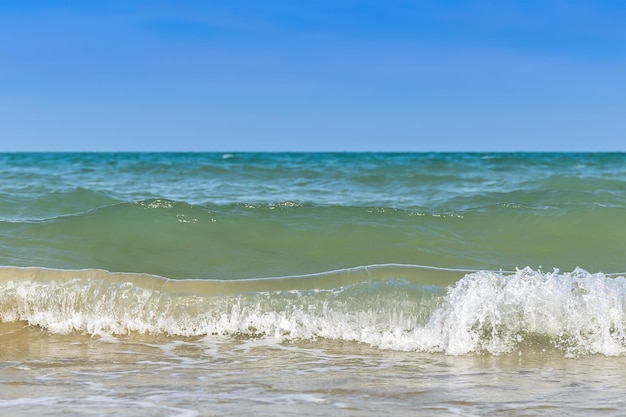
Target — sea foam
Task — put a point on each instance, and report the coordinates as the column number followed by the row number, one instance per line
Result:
column 580, row 312
column 484, row 312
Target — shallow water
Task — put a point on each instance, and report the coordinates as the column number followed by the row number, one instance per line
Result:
column 47, row 374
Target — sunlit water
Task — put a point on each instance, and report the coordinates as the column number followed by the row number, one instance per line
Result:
column 312, row 284
column 48, row 374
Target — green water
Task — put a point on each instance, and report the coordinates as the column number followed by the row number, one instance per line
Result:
column 259, row 215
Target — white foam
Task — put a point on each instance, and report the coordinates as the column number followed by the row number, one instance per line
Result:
column 492, row 312
column 580, row 312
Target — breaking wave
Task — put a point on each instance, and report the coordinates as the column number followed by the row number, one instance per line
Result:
column 396, row 307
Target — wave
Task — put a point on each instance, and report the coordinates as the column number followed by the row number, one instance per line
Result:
column 579, row 312
column 33, row 203
column 182, row 240
column 396, row 307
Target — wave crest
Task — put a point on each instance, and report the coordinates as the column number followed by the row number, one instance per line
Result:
column 388, row 306
column 580, row 312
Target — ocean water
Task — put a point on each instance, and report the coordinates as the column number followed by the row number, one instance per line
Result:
column 349, row 284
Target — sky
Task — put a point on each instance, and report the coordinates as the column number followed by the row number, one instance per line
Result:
column 325, row 75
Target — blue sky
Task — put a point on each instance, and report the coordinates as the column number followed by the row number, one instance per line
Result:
column 336, row 75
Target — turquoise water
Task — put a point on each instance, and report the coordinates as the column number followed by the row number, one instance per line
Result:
column 258, row 215
column 354, row 265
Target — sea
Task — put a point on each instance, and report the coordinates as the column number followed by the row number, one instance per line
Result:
column 312, row 284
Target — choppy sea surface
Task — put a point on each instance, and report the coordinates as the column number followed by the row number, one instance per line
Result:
column 356, row 284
